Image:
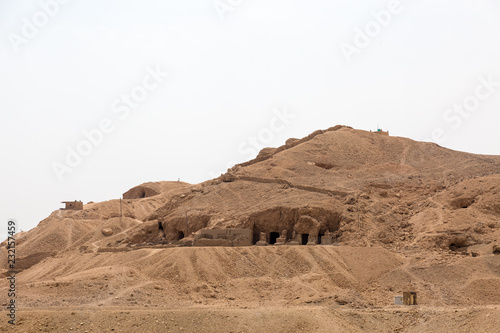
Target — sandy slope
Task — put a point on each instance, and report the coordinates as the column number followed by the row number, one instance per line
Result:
column 263, row 319
column 288, row 288
column 406, row 215
column 255, row 276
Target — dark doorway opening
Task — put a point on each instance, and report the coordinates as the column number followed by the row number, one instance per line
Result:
column 273, row 236
column 319, row 238
column 256, row 238
column 305, row 238
column 161, row 230
column 180, row 235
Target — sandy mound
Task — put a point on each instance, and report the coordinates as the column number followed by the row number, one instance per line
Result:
column 403, row 215
column 69, row 229
column 370, row 189
column 153, row 188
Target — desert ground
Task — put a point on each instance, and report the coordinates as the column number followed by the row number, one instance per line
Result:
column 401, row 216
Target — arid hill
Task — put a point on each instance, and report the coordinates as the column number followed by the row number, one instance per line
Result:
column 379, row 214
column 366, row 188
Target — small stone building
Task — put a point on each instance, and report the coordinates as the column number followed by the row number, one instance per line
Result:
column 409, row 298
column 73, row 205
column 379, row 131
column 398, row 300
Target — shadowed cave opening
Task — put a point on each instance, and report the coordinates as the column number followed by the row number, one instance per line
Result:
column 273, row 236
column 161, row 230
column 457, row 247
column 319, row 237
column 462, row 203
column 458, row 244
column 304, row 239
column 255, row 238
column 326, row 166
column 180, row 235
column 274, row 221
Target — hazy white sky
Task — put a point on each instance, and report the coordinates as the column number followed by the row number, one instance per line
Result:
column 178, row 89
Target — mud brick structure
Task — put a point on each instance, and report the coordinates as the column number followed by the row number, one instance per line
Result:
column 72, row 205
column 224, row 237
column 409, row 298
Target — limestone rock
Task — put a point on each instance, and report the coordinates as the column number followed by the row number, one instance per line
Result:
column 107, row 231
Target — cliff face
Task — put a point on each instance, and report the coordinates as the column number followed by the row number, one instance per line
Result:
column 403, row 215
column 363, row 187
column 153, row 188
column 87, row 229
